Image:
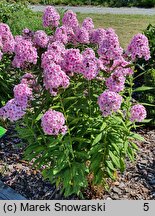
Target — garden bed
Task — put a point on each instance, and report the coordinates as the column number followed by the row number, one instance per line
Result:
column 78, row 114
column 137, row 182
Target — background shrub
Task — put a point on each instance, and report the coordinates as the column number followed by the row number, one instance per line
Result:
column 149, row 80
column 147, row 69
column 9, row 76
column 9, row 9
column 111, row 3
column 145, row 3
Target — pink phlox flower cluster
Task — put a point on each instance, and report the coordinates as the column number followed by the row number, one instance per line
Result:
column 55, row 78
column 61, row 35
column 51, row 39
column 57, row 47
column 1, row 55
column 97, row 35
column 51, row 17
column 137, row 113
column 123, row 66
column 139, row 47
column 82, row 35
column 109, row 48
column 53, row 123
column 40, row 39
column 22, row 94
column 8, row 46
column 71, row 35
column 7, row 42
column 15, row 108
column 4, row 31
column 116, row 81
column 90, row 67
column 27, row 34
column 25, row 53
column 28, row 79
column 105, row 64
column 1, row 43
column 50, row 57
column 72, row 61
column 88, row 24
column 54, row 53
column 70, row 19
column 88, row 52
column 109, row 102
column 12, row 111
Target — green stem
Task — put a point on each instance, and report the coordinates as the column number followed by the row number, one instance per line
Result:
column 89, row 88
column 130, row 92
column 70, row 139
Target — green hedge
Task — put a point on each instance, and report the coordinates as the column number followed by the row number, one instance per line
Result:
column 112, row 3
column 147, row 68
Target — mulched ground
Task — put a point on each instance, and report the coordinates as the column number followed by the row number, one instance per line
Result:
column 137, row 182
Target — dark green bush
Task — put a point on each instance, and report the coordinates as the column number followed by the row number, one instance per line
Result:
column 148, row 77
column 145, row 3
column 9, row 76
column 111, row 3
column 149, row 80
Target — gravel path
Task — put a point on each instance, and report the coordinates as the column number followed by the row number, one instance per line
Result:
column 101, row 10
column 136, row 183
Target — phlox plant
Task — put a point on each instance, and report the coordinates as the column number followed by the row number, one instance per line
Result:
column 73, row 106
column 9, row 75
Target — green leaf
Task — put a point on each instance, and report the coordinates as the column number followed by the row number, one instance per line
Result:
column 99, row 177
column 82, row 155
column 147, row 104
column 103, row 126
column 126, row 146
column 137, row 136
column 97, row 139
column 143, row 88
column 146, row 120
column 95, row 149
column 80, row 139
column 110, row 173
column 110, row 165
column 95, row 164
column 55, row 107
column 114, row 159
column 131, row 154
column 69, row 99
column 134, row 146
column 39, row 117
column 2, row 131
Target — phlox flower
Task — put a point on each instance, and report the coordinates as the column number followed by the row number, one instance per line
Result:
column 40, row 39
column 139, row 47
column 51, row 17
column 109, row 102
column 116, row 81
column 12, row 111
column 55, row 78
column 53, row 123
column 88, row 24
column 137, row 113
column 69, row 19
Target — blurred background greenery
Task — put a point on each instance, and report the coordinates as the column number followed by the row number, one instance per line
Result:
column 111, row 3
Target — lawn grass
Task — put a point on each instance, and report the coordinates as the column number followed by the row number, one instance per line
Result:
column 21, row 20
column 126, row 26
